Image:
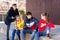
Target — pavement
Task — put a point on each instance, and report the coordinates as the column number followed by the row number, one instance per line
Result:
column 55, row 33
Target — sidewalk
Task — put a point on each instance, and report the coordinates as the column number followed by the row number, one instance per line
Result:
column 55, row 33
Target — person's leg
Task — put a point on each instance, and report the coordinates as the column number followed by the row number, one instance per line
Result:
column 48, row 28
column 37, row 36
column 13, row 34
column 41, row 33
column 32, row 35
column 8, row 28
column 22, row 34
column 48, row 31
column 18, row 34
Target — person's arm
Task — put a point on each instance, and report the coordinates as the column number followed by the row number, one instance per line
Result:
column 25, row 26
column 50, row 24
column 36, row 21
column 16, row 25
column 39, row 24
column 22, row 22
column 17, row 12
column 9, row 15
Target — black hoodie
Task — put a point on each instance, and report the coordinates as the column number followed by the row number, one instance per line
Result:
column 11, row 13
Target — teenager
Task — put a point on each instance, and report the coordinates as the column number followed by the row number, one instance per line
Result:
column 30, row 25
column 13, row 11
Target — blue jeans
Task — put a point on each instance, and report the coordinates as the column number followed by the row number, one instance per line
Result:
column 18, row 32
column 41, row 33
column 30, row 32
column 8, row 28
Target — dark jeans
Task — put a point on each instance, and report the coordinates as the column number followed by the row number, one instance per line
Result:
column 30, row 32
column 41, row 33
column 18, row 32
column 8, row 28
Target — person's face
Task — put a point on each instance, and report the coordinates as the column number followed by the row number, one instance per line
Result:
column 29, row 16
column 14, row 7
column 43, row 17
column 17, row 18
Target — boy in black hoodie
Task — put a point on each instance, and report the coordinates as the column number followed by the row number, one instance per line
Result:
column 30, row 25
column 13, row 11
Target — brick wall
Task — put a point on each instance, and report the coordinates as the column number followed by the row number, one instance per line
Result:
column 50, row 6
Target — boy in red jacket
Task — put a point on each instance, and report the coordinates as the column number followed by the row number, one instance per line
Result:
column 44, row 26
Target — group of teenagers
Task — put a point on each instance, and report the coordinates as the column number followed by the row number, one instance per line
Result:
column 29, row 24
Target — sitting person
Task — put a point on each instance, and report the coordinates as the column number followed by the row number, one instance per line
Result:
column 30, row 26
column 44, row 26
column 19, row 22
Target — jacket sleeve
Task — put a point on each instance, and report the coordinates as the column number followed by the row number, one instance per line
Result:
column 36, row 21
column 22, row 22
column 17, row 12
column 39, row 24
column 51, row 25
column 25, row 27
column 9, row 14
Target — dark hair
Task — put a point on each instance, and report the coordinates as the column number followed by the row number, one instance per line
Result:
column 14, row 5
column 45, row 14
column 28, row 13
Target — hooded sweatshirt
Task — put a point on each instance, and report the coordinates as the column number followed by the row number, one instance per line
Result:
column 41, row 27
column 31, row 24
column 11, row 13
column 19, row 24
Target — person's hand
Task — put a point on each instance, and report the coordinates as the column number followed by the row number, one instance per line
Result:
column 28, row 25
column 17, row 28
column 13, row 17
column 34, row 30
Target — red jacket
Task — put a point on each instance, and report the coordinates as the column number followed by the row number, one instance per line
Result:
column 49, row 24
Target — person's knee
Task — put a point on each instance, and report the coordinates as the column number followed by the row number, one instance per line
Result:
column 13, row 31
column 18, row 31
column 21, row 31
column 36, row 34
column 48, row 28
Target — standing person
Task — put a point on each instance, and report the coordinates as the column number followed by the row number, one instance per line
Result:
column 13, row 11
column 19, row 23
column 30, row 25
column 44, row 26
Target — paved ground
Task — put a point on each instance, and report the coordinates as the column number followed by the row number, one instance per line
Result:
column 55, row 33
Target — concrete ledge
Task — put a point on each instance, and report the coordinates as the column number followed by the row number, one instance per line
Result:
column 55, row 33
column 3, row 30
column 1, row 22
